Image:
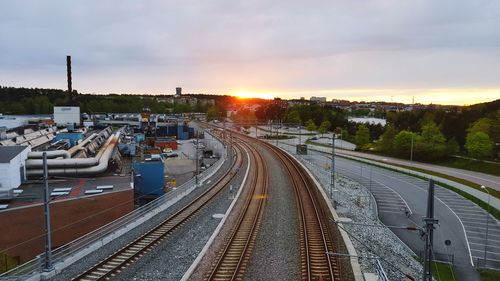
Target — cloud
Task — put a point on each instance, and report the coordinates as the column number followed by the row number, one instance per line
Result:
column 218, row 46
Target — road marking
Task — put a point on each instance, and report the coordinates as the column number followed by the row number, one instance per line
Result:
column 463, row 227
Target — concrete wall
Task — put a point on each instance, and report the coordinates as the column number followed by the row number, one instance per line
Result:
column 23, row 227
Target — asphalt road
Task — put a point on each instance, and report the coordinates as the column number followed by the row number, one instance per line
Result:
column 401, row 201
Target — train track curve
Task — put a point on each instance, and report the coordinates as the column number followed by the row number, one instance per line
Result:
column 115, row 263
column 233, row 259
column 316, row 239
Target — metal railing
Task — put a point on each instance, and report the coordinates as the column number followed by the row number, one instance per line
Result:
column 68, row 250
column 487, row 264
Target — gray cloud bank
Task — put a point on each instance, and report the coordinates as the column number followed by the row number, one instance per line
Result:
column 220, row 46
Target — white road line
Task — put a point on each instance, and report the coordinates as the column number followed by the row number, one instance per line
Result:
column 463, row 227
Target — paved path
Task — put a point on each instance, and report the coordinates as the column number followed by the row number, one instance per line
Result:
column 475, row 177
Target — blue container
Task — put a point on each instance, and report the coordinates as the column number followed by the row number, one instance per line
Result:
column 73, row 138
column 149, row 178
column 172, row 130
column 139, row 138
column 182, row 132
column 127, row 149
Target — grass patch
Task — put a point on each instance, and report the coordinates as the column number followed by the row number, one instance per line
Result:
column 489, row 274
column 443, row 272
column 472, row 165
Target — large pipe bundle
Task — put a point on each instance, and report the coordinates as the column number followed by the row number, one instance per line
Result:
column 78, row 166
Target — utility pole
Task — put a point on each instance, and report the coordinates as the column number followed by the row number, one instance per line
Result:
column 196, row 156
column 46, row 201
column 411, row 149
column 332, row 185
column 429, row 222
column 300, row 133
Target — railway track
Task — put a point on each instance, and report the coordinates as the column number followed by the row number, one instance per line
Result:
column 115, row 263
column 316, row 240
column 233, row 259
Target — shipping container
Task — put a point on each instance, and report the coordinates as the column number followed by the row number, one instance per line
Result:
column 149, row 178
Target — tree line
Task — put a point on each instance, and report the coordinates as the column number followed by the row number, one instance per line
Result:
column 41, row 101
column 424, row 134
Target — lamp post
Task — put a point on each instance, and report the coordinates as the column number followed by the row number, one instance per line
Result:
column 487, row 224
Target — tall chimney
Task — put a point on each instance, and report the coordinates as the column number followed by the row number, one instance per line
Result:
column 68, row 67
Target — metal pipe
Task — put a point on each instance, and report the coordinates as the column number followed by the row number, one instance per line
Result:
column 101, row 167
column 81, row 145
column 63, row 163
column 50, row 154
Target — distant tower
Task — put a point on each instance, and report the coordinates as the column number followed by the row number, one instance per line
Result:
column 178, row 92
column 68, row 68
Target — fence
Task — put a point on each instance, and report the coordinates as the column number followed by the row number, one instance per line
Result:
column 101, row 236
column 487, row 264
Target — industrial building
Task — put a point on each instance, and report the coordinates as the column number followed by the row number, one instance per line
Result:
column 12, row 168
column 115, row 159
column 64, row 115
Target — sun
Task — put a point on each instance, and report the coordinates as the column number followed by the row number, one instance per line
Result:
column 249, row 95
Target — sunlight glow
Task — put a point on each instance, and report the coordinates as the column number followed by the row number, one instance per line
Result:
column 248, row 95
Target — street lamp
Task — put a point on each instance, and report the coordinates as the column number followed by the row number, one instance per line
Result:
column 487, row 223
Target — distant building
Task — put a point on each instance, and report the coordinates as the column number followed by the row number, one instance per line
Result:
column 318, row 99
column 64, row 115
column 178, row 92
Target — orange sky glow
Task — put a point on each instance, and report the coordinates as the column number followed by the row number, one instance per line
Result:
column 423, row 96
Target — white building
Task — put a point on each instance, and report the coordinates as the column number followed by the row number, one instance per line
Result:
column 12, row 166
column 318, row 99
column 64, row 115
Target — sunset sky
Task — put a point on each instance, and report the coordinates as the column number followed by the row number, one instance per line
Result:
column 445, row 51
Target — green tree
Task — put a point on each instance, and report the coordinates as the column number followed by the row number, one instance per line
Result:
column 432, row 144
column 481, row 125
column 402, row 143
column 324, row 127
column 362, row 136
column 212, row 112
column 293, row 117
column 387, row 139
column 478, row 145
column 310, row 126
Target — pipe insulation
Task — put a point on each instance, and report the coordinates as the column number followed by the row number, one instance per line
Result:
column 67, row 163
column 99, row 168
column 50, row 154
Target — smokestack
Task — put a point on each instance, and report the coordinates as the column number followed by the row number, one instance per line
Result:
column 68, row 67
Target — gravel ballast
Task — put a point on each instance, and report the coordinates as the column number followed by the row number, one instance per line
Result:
column 110, row 248
column 353, row 202
column 276, row 255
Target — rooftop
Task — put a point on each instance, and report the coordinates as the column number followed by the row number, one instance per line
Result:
column 8, row 153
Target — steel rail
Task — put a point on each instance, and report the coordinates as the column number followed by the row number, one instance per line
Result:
column 317, row 264
column 231, row 263
column 146, row 242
